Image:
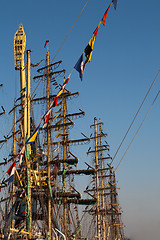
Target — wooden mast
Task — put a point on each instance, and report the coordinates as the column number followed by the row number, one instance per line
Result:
column 14, row 152
column 28, row 95
column 64, row 166
column 97, row 180
column 102, row 185
column 48, row 148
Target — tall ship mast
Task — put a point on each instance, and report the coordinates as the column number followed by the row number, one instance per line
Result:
column 42, row 200
column 106, row 212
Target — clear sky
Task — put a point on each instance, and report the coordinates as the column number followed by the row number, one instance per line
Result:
column 124, row 63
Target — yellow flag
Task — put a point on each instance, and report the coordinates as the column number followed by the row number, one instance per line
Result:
column 88, row 50
column 60, row 92
column 33, row 137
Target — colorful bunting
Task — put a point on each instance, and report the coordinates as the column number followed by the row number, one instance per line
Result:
column 67, row 80
column 105, row 14
column 88, row 50
column 32, row 138
column 11, row 171
column 96, row 30
column 47, row 41
column 47, row 118
column 59, row 93
column 115, row 3
column 79, row 66
column 21, row 156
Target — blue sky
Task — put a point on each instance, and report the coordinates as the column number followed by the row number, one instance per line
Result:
column 124, row 63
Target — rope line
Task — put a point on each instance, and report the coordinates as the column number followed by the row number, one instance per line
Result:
column 137, row 130
column 70, row 30
column 135, row 116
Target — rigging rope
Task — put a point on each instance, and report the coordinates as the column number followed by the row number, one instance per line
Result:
column 137, row 130
column 135, row 117
column 70, row 30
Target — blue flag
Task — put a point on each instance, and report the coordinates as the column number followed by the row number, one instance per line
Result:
column 32, row 138
column 115, row 3
column 79, row 66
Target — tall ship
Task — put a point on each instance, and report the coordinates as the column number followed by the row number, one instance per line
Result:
column 41, row 196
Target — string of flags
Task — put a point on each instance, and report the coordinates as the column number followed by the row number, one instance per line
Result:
column 79, row 66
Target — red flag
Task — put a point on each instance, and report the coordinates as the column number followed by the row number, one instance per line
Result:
column 55, row 101
column 96, row 31
column 67, row 80
column 47, row 118
column 47, row 41
column 9, row 171
column 105, row 15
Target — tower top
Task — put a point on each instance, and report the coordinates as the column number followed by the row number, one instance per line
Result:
column 19, row 47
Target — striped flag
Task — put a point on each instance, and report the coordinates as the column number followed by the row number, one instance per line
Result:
column 11, row 171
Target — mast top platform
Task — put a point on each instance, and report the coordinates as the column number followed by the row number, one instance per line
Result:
column 19, row 47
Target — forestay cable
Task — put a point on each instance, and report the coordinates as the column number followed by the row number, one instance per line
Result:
column 135, row 116
column 137, row 130
column 70, row 30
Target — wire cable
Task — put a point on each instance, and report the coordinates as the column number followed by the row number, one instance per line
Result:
column 135, row 117
column 70, row 30
column 137, row 130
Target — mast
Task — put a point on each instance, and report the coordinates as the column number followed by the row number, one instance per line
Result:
column 48, row 149
column 28, row 95
column 14, row 152
column 109, row 225
column 102, row 183
column 19, row 50
column 64, row 166
column 97, row 179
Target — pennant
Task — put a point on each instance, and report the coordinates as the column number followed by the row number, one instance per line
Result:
column 67, row 80
column 59, row 93
column 47, row 41
column 115, row 3
column 55, row 101
column 79, row 66
column 88, row 50
column 32, row 138
column 96, row 30
column 53, row 104
column 11, row 171
column 105, row 14
column 47, row 118
column 21, row 156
